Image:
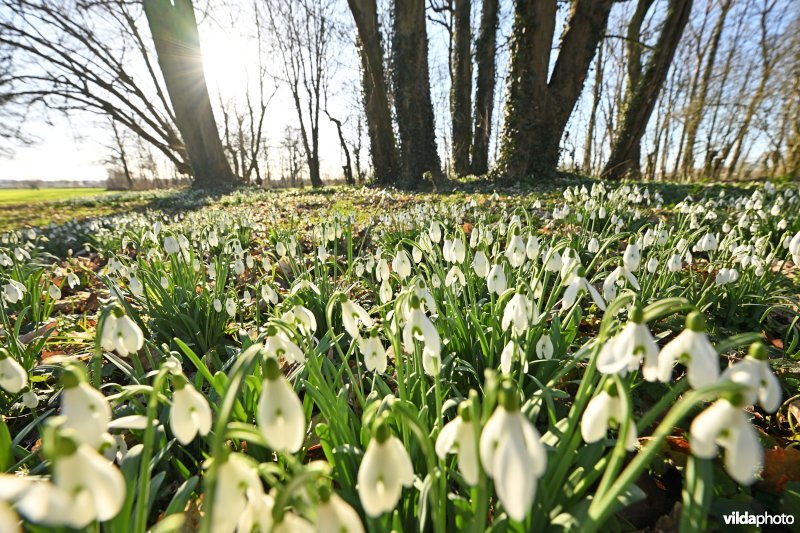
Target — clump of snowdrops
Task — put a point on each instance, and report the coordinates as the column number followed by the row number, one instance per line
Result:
column 463, row 366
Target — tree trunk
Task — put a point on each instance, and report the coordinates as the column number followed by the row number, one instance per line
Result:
column 624, row 158
column 461, row 93
column 537, row 111
column 177, row 42
column 383, row 149
column 415, row 124
column 697, row 107
column 485, row 51
column 596, row 88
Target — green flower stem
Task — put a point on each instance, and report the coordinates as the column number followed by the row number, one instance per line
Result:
column 143, row 491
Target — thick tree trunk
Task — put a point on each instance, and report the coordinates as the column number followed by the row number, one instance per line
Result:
column 177, row 42
column 461, row 93
column 537, row 111
column 485, row 52
column 624, row 158
column 698, row 106
column 415, row 123
column 383, row 148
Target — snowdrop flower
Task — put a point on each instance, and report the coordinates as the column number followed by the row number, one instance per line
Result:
column 624, row 352
column 84, row 408
column 240, row 502
column 30, row 399
column 55, row 293
column 121, row 334
column 593, row 246
column 603, row 411
column 217, row 305
column 190, row 412
column 553, row 261
column 13, row 377
column 352, row 315
column 322, row 253
column 455, row 275
column 652, row 265
column 725, row 424
column 516, row 314
column 401, row 264
column 480, row 264
column 334, row 515
column 374, row 353
column 385, row 292
column 303, row 318
column 419, row 327
column 532, row 247
column 631, row 257
column 510, row 352
column 515, row 250
column 86, row 487
column 576, row 284
column 171, row 245
column 458, row 436
column 13, row 291
column 496, row 280
column 457, row 251
column 544, row 346
column 279, row 345
column 692, row 348
column 674, row 264
column 756, row 375
column 435, row 231
column 9, row 521
column 230, row 307
column 280, row 412
column 613, row 279
column 511, row 453
column 794, row 248
column 707, row 243
column 384, row 471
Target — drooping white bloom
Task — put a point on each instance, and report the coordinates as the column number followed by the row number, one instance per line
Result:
column 374, row 353
column 692, row 348
column 85, row 410
column 190, row 412
column 121, row 334
column 384, row 471
column 512, row 454
column 55, row 293
column 532, row 247
column 603, row 411
column 577, row 284
column 230, row 306
column 544, row 347
column 457, row 251
column 510, row 352
column 515, row 251
column 352, row 315
column 625, row 351
column 674, row 264
column 726, row 425
column 707, row 243
column 239, row 500
column 435, row 231
column 30, row 399
column 755, row 373
column 13, row 291
column 496, row 280
column 454, row 275
column 13, row 377
column 652, row 265
column 401, row 264
column 334, row 515
column 516, row 314
column 280, row 412
column 458, row 436
column 631, row 257
column 302, row 317
column 593, row 246
column 171, row 245
column 385, row 292
column 419, row 327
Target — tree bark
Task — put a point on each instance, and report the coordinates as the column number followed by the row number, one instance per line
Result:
column 485, row 52
column 537, row 111
column 415, row 124
column 461, row 92
column 698, row 105
column 177, row 43
column 596, row 88
column 624, row 158
column 383, row 148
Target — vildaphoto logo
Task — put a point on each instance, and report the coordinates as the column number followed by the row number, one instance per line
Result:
column 739, row 518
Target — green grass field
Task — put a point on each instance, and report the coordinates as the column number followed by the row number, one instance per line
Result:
column 26, row 196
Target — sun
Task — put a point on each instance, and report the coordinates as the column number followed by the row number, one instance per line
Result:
column 230, row 63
